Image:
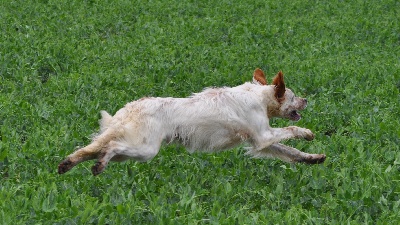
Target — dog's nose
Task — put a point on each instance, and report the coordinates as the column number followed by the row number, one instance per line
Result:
column 305, row 100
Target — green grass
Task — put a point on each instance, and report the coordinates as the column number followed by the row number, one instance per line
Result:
column 61, row 62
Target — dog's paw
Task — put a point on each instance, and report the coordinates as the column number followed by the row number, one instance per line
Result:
column 65, row 166
column 313, row 159
column 97, row 168
column 304, row 133
column 309, row 136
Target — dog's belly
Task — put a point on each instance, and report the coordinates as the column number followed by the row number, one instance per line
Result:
column 206, row 139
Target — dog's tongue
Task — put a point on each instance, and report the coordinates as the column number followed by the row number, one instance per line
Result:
column 294, row 115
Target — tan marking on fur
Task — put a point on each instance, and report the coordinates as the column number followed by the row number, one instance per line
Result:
column 260, row 76
column 272, row 111
column 279, row 87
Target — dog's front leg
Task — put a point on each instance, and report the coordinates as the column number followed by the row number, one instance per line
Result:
column 276, row 135
column 288, row 154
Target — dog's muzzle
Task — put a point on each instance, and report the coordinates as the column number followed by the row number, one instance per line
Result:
column 294, row 115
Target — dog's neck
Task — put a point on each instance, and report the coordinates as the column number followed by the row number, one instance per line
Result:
column 266, row 97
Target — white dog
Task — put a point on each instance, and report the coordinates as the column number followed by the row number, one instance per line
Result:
column 212, row 120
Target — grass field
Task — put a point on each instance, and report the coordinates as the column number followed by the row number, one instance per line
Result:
column 61, row 62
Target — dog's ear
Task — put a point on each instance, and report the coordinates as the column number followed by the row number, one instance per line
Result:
column 259, row 77
column 279, row 86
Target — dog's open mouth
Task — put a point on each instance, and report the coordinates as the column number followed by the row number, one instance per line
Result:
column 294, row 115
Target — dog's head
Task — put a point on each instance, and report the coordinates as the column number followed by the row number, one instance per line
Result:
column 281, row 101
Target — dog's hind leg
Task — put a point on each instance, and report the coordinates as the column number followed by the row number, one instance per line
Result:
column 119, row 151
column 89, row 152
column 77, row 157
column 288, row 154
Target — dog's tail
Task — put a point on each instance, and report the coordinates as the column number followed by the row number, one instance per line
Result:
column 90, row 151
column 106, row 121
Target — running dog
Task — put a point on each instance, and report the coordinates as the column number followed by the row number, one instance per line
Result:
column 213, row 120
